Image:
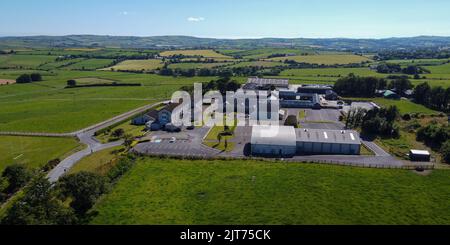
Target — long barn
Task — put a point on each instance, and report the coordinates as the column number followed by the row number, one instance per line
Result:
column 284, row 141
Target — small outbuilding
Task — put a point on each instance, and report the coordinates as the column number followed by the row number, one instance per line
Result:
column 273, row 141
column 419, row 156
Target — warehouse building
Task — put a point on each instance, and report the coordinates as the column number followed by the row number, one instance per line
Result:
column 286, row 141
column 264, row 83
column 328, row 142
column 292, row 99
column 273, row 141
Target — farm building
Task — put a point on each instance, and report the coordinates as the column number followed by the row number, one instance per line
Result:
column 328, row 142
column 419, row 156
column 286, row 141
column 259, row 83
column 292, row 99
column 389, row 94
column 273, row 141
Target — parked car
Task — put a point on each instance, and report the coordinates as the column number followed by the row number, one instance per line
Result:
column 173, row 140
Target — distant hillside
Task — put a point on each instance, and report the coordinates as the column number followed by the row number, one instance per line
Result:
column 162, row 42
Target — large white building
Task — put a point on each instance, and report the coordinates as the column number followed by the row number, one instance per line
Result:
column 273, row 141
column 286, row 141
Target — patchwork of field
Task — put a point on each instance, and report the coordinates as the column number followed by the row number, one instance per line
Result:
column 48, row 107
column 331, row 59
column 202, row 53
column 34, row 151
column 164, row 191
column 137, row 65
column 265, row 53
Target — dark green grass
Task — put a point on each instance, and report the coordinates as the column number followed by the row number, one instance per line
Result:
column 249, row 192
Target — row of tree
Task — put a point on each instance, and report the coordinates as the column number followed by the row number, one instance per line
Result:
column 388, row 68
column 437, row 137
column 29, row 78
column 375, row 122
column 45, row 204
column 436, row 98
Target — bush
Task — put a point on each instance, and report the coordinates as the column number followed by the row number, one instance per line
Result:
column 17, row 176
column 71, row 83
column 118, row 133
column 24, row 78
column 291, row 121
column 83, row 188
column 36, row 77
column 50, row 165
column 406, row 117
column 120, row 169
column 445, row 151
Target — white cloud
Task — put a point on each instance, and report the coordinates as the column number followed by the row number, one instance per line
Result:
column 195, row 19
column 124, row 13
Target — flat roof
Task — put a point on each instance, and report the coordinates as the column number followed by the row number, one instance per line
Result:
column 273, row 135
column 420, row 152
column 328, row 136
column 266, row 81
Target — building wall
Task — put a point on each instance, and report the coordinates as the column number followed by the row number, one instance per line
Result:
column 273, row 150
column 327, row 148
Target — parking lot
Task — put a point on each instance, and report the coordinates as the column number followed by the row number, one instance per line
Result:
column 186, row 143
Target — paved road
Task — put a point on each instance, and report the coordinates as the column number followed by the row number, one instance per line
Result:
column 86, row 136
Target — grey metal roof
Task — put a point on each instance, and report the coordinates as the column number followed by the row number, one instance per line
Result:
column 273, row 135
column 265, row 81
column 328, row 136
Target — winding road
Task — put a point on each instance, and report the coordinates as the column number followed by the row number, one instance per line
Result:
column 85, row 136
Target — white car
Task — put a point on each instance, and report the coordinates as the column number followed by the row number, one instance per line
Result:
column 173, row 140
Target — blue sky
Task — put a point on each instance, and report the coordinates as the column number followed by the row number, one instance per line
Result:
column 227, row 18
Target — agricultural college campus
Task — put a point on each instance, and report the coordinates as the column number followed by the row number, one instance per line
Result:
column 328, row 131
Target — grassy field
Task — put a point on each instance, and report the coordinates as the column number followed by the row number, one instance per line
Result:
column 90, row 64
column 47, row 106
column 248, row 192
column 265, row 52
column 332, row 73
column 326, row 59
column 267, row 64
column 99, row 162
column 405, row 106
column 137, row 65
column 24, row 61
column 197, row 65
column 33, row 151
column 208, row 53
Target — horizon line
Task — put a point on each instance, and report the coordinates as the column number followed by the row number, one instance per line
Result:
column 218, row 38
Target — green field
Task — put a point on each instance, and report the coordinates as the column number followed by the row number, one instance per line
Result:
column 90, row 64
column 326, row 59
column 249, row 192
column 25, row 61
column 265, row 52
column 137, row 65
column 405, row 106
column 48, row 107
column 99, row 162
column 197, row 65
column 333, row 73
column 208, row 53
column 33, row 151
column 267, row 64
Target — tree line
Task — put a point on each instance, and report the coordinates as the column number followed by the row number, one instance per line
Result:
column 436, row 97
